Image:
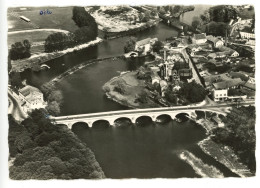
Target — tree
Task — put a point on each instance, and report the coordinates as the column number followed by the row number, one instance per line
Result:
column 192, row 92
column 157, row 46
column 130, row 45
column 142, row 97
column 176, row 9
column 20, row 50
column 239, row 133
column 147, row 16
column 195, row 22
column 120, row 87
column 55, row 96
column 15, row 79
column 53, row 108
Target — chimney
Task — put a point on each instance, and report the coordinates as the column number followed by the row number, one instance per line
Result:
column 164, row 55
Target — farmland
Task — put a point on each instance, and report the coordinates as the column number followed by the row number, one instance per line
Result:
column 60, row 18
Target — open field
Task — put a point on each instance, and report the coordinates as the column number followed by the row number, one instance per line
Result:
column 60, row 18
column 35, row 37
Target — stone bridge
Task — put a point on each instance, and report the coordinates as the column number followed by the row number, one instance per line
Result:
column 134, row 115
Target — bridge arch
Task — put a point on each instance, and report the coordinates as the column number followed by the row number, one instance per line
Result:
column 79, row 125
column 163, row 118
column 101, row 123
column 123, row 122
column 144, row 120
column 182, row 116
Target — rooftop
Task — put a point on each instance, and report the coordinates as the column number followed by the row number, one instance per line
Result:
column 199, row 36
column 212, row 39
column 143, row 42
column 228, row 83
column 26, row 90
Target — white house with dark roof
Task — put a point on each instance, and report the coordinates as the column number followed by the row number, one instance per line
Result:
column 215, row 41
column 199, row 38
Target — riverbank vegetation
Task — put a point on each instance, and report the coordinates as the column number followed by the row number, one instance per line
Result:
column 130, row 45
column 54, row 97
column 20, row 50
column 42, row 150
column 239, row 133
column 215, row 20
column 87, row 31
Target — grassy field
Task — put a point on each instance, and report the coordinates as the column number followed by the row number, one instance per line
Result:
column 60, row 18
column 35, row 37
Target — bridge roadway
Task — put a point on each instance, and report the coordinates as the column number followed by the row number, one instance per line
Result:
column 153, row 113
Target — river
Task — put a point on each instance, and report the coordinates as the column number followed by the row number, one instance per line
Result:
column 132, row 152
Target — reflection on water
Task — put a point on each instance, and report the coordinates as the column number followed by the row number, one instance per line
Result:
column 143, row 152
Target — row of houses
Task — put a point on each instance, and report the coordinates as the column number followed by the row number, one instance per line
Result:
column 225, row 87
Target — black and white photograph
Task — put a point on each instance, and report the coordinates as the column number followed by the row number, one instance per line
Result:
column 130, row 91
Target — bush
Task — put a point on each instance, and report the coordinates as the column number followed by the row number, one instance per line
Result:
column 20, row 50
column 130, row 45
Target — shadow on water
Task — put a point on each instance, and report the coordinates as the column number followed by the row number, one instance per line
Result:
column 144, row 121
column 163, row 119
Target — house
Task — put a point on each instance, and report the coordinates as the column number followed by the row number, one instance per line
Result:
column 143, row 46
column 155, row 78
column 220, row 95
column 251, row 42
column 199, row 38
column 33, row 96
column 227, row 84
column 185, row 72
column 229, row 51
column 220, row 89
column 215, row 41
column 247, row 33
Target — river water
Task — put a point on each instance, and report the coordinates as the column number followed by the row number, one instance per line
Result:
column 131, row 152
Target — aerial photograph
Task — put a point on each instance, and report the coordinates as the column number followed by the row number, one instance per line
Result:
column 131, row 91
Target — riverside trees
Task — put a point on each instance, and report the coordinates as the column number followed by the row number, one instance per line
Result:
column 87, row 31
column 239, row 133
column 20, row 50
column 45, row 151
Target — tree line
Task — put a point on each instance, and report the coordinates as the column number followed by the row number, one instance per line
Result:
column 87, row 31
column 239, row 133
column 42, row 150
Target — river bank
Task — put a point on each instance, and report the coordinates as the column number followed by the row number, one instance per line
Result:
column 202, row 169
column 34, row 60
column 130, row 31
column 226, row 156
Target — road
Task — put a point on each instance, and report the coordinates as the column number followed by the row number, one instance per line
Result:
column 15, row 109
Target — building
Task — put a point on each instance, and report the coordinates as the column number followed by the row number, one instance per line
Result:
column 228, row 84
column 163, row 85
column 33, row 97
column 247, row 33
column 155, row 78
column 229, row 51
column 217, row 43
column 145, row 46
column 199, row 38
column 220, row 95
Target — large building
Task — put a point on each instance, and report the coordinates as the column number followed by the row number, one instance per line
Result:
column 217, row 43
column 199, row 38
column 33, row 97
